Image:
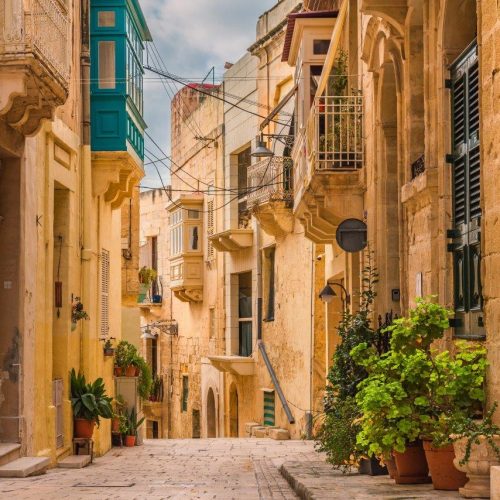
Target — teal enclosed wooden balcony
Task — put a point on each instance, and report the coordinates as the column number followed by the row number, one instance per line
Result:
column 118, row 33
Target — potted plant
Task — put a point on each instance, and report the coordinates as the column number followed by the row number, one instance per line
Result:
column 119, row 409
column 89, row 402
column 77, row 313
column 125, row 354
column 411, row 392
column 146, row 277
column 131, row 428
column 477, row 448
column 108, row 347
column 145, row 376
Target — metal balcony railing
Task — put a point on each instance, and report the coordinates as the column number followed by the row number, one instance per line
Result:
column 39, row 27
column 335, row 133
column 270, row 180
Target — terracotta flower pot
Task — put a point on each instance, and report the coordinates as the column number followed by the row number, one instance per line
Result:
column 411, row 465
column 391, row 467
column 130, row 371
column 130, row 441
column 115, row 425
column 137, row 371
column 83, row 428
column 443, row 473
column 118, row 371
column 482, row 457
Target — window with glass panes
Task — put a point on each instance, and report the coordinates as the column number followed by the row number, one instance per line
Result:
column 245, row 313
column 466, row 171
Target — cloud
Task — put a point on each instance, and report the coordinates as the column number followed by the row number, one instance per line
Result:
column 192, row 36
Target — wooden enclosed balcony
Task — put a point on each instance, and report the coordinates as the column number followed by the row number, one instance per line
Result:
column 328, row 157
column 270, row 196
column 35, row 51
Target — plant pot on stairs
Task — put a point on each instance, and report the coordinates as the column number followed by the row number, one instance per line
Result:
column 444, row 474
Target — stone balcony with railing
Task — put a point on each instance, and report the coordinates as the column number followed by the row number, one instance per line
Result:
column 270, row 196
column 35, row 54
column 328, row 158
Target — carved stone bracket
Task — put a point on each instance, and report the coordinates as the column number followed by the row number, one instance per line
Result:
column 114, row 175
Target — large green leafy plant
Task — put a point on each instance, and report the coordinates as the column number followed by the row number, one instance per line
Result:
column 414, row 391
column 89, row 400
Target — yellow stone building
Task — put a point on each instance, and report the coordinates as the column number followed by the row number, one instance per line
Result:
column 60, row 226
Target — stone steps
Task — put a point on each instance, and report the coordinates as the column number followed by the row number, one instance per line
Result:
column 9, row 452
column 25, row 466
column 74, row 462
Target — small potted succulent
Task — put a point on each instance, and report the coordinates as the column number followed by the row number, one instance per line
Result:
column 90, row 403
column 131, row 428
column 108, row 348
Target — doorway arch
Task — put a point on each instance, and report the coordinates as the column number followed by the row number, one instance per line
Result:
column 211, row 415
column 233, row 412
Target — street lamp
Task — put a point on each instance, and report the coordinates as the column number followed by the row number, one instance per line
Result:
column 328, row 293
column 147, row 334
column 261, row 150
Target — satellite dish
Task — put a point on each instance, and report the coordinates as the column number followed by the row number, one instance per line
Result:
column 351, row 235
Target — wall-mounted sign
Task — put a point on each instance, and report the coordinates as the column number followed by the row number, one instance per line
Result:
column 351, row 235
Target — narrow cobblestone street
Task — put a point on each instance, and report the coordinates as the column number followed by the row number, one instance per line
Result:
column 211, row 468
column 207, row 468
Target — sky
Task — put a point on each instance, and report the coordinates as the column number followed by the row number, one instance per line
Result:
column 192, row 36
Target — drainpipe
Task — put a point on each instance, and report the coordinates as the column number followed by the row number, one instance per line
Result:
column 86, row 186
column 311, row 358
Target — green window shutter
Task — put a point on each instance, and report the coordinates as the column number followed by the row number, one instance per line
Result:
column 466, row 192
column 269, row 408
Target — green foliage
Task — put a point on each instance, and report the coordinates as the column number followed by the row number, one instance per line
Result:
column 414, row 391
column 337, row 434
column 156, row 389
column 145, row 377
column 147, row 275
column 89, row 401
column 132, row 423
column 125, row 353
column 337, row 80
column 472, row 430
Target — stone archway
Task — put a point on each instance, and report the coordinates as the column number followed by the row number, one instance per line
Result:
column 211, row 415
column 233, row 412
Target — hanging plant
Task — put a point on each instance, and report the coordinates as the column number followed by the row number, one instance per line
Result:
column 78, row 312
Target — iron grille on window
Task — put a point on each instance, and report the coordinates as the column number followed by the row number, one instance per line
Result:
column 418, row 167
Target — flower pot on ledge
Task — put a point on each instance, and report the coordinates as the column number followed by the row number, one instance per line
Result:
column 130, row 441
column 477, row 468
column 130, row 371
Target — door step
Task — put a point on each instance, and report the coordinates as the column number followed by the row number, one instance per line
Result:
column 25, row 466
column 74, row 462
column 9, row 452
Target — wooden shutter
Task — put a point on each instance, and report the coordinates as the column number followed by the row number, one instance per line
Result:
column 210, row 229
column 466, row 194
column 104, row 293
column 269, row 408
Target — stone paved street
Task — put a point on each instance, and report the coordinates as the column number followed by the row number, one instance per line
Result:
column 209, row 468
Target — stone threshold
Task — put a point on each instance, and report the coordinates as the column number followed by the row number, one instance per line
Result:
column 316, row 480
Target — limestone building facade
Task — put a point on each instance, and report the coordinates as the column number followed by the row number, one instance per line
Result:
column 60, row 220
